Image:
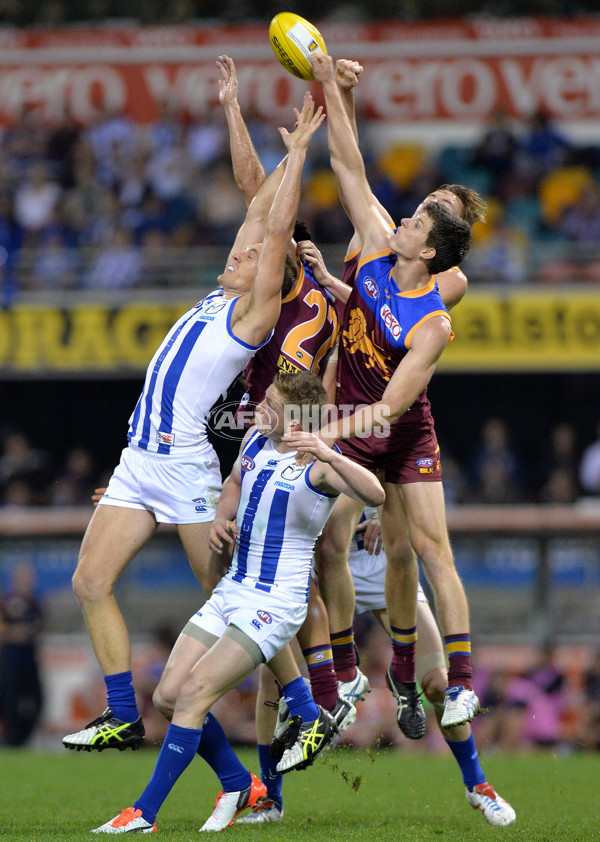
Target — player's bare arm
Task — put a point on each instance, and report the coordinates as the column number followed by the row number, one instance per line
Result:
column 257, row 313
column 406, row 384
column 308, row 252
column 334, row 472
column 248, row 170
column 347, row 163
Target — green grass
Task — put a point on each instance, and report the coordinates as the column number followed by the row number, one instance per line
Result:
column 350, row 796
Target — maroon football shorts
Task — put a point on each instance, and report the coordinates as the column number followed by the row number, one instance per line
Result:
column 409, row 454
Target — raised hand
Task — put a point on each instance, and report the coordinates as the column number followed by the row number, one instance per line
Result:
column 307, row 122
column 308, row 251
column 323, row 67
column 228, row 85
column 347, row 73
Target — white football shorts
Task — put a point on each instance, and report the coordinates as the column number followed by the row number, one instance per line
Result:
column 368, row 575
column 270, row 620
column 181, row 488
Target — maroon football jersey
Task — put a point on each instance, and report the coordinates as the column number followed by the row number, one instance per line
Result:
column 306, row 329
column 375, row 336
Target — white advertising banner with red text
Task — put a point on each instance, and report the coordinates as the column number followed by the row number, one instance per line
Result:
column 445, row 77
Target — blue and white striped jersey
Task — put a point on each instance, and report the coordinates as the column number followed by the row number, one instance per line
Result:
column 280, row 516
column 194, row 366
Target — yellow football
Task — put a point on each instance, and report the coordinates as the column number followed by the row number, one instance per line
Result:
column 294, row 39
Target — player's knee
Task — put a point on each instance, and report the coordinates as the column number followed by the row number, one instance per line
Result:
column 89, row 585
column 163, row 703
column 400, row 556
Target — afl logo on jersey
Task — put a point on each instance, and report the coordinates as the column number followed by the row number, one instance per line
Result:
column 426, row 462
column 247, row 463
column 371, row 288
column 264, row 616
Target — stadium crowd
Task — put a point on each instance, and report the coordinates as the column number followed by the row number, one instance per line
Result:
column 117, row 205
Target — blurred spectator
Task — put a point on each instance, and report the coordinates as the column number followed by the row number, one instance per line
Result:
column 494, row 466
column 112, row 139
column 590, row 721
column 535, row 703
column 499, row 258
column 589, row 466
column 557, row 469
column 221, row 204
column 55, row 265
column 495, row 152
column 36, row 200
column 21, row 621
column 61, row 151
column 580, row 221
column 544, row 146
column 118, row 264
column 22, row 463
column 73, row 484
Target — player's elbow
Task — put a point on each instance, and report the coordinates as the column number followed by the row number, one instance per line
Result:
column 375, row 496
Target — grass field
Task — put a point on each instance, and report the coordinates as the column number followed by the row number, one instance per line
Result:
column 350, row 796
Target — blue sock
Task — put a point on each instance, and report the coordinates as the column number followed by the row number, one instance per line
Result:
column 269, row 775
column 465, row 753
column 176, row 754
column 215, row 749
column 120, row 696
column 299, row 701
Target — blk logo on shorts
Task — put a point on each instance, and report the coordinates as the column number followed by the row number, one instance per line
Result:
column 264, row 616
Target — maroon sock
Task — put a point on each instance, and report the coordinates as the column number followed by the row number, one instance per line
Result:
column 344, row 654
column 323, row 680
column 403, row 659
column 458, row 647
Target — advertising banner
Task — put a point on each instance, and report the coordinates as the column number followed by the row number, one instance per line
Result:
column 514, row 331
column 416, row 74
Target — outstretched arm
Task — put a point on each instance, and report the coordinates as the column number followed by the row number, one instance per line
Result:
column 256, row 315
column 248, row 171
column 347, row 163
column 347, row 76
column 408, row 381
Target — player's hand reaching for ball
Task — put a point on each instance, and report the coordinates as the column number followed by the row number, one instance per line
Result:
column 228, row 85
column 307, row 122
column 347, row 73
column 323, row 67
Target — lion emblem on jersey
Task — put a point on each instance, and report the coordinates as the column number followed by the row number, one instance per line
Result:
column 356, row 339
